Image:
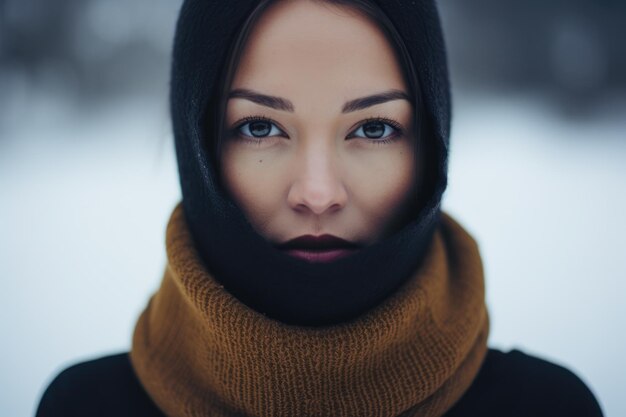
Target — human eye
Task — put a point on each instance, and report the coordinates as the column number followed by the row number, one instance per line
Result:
column 378, row 129
column 256, row 128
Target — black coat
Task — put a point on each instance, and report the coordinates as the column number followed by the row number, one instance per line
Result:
column 510, row 384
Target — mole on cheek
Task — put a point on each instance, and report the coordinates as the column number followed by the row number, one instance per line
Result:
column 260, row 160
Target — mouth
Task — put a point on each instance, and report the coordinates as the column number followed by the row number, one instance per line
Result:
column 324, row 248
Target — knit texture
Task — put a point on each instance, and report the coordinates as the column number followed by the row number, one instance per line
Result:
column 198, row 351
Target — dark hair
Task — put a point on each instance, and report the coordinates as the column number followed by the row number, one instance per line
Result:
column 371, row 10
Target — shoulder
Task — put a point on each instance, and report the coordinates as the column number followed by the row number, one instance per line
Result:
column 106, row 386
column 517, row 384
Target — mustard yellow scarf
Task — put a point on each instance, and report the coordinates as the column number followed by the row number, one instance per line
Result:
column 198, row 351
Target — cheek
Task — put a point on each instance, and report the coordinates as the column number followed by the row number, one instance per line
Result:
column 383, row 186
column 252, row 184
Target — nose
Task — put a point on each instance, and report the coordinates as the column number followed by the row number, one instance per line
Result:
column 317, row 185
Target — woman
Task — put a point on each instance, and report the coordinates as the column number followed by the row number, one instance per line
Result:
column 310, row 270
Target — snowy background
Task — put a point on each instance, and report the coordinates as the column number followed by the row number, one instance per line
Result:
column 88, row 179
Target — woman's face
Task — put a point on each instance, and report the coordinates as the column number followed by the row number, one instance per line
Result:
column 319, row 127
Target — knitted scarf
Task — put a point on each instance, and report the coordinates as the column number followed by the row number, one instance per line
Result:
column 198, row 351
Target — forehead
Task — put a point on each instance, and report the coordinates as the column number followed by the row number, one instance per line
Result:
column 315, row 47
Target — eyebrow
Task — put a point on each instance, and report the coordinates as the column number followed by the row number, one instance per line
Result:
column 279, row 103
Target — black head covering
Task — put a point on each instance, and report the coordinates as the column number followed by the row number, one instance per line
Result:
column 252, row 269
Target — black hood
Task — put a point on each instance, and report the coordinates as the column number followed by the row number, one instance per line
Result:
column 252, row 269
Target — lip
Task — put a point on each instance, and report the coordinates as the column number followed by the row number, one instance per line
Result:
column 324, row 248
